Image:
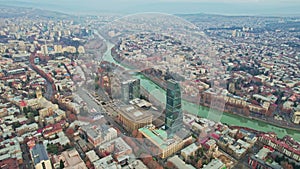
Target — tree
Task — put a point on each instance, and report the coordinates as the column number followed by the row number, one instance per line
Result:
column 66, row 147
column 16, row 125
column 25, row 111
column 35, row 112
column 154, row 164
column 30, row 116
column 52, row 148
column 199, row 164
column 191, row 157
column 146, row 158
column 61, row 164
column 139, row 135
column 97, row 78
column 72, row 117
column 70, row 132
column 28, row 78
column 54, row 72
column 88, row 164
column 134, row 133
column 169, row 165
column 97, row 86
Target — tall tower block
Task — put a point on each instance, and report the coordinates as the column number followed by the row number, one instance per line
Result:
column 174, row 117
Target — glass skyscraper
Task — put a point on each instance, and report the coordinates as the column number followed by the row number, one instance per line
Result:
column 174, row 117
column 130, row 89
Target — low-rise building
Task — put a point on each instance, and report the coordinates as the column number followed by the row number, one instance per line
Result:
column 189, row 151
column 259, row 160
column 62, row 139
column 166, row 146
column 286, row 146
column 52, row 129
column 133, row 118
column 136, row 164
column 92, row 156
column 9, row 163
column 178, row 163
column 215, row 164
column 26, row 128
column 238, row 149
column 98, row 134
column 10, row 148
column 296, row 117
column 106, row 163
column 117, row 146
column 40, row 157
column 71, row 159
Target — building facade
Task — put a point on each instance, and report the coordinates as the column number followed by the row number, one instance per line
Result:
column 130, row 89
column 133, row 119
column 296, row 117
column 40, row 157
column 98, row 134
column 174, row 117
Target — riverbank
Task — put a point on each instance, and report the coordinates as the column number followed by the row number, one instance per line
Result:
column 232, row 113
column 233, row 119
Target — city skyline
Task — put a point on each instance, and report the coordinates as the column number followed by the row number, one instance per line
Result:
column 149, row 90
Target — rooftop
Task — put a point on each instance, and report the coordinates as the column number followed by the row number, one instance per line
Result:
column 106, row 163
column 159, row 137
column 92, row 156
column 119, row 144
column 136, row 115
column 39, row 153
column 175, row 160
column 215, row 164
column 137, row 164
column 72, row 159
column 189, row 149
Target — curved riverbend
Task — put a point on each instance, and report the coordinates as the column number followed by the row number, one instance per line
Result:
column 227, row 118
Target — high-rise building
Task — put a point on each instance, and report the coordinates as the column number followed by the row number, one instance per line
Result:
column 130, row 89
column 174, row 117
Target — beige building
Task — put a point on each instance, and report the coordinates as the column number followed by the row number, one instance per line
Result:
column 177, row 163
column 133, row 119
column 296, row 117
column 98, row 134
column 47, row 109
column 117, row 146
column 166, row 146
column 189, row 151
column 58, row 48
column 71, row 159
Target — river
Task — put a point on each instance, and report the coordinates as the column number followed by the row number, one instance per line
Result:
column 227, row 118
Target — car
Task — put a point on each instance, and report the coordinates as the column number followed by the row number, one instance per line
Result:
column 93, row 110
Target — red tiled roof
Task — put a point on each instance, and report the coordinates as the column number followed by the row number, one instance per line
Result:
column 281, row 143
column 23, row 103
column 53, row 128
column 10, row 163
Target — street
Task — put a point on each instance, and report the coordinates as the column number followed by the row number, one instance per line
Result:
column 92, row 103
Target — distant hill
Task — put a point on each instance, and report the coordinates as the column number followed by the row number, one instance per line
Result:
column 13, row 11
column 263, row 8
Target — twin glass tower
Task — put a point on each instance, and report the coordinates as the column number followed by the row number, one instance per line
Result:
column 174, row 116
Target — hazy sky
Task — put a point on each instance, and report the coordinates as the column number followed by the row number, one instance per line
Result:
column 234, row 7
